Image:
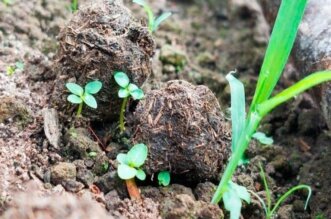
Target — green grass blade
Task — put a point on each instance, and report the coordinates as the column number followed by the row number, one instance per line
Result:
column 290, row 192
column 279, row 48
column 301, row 86
column 160, row 19
column 237, row 108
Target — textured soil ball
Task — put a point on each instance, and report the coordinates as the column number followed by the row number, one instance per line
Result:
column 185, row 130
column 101, row 38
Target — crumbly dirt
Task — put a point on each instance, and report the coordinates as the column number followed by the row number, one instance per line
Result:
column 184, row 129
column 57, row 46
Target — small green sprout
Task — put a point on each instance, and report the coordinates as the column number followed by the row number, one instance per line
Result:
column 126, row 90
column 262, row 138
column 130, row 167
column 153, row 23
column 12, row 69
column 164, row 178
column 131, row 162
column 74, row 5
column 92, row 154
column 269, row 210
column 81, row 96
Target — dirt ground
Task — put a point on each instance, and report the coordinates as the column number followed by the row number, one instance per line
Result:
column 200, row 44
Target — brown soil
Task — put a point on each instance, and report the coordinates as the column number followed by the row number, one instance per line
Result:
column 45, row 165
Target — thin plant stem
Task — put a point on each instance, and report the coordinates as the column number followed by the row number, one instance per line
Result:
column 251, row 125
column 266, row 187
column 133, row 190
column 123, row 107
column 80, row 108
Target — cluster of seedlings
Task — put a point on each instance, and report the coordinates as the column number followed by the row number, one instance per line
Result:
column 244, row 125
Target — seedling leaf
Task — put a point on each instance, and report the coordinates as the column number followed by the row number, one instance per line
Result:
column 126, row 172
column 72, row 98
column 90, row 101
column 160, row 19
column 137, row 94
column 122, row 158
column 137, row 155
column 75, row 89
column 164, row 178
column 232, row 199
column 280, row 45
column 262, row 138
column 122, row 79
column 19, row 65
column 132, row 87
column 123, row 93
column 93, row 87
column 141, row 174
column 237, row 108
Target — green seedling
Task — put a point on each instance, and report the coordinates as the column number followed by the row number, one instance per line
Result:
column 153, row 23
column 245, row 125
column 164, row 178
column 74, row 5
column 126, row 90
column 81, row 96
column 130, row 167
column 268, row 209
column 12, row 69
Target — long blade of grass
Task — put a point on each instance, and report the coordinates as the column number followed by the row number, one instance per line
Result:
column 301, row 86
column 290, row 192
column 237, row 108
column 279, row 48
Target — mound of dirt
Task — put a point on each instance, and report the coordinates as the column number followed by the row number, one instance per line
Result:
column 185, row 131
column 100, row 39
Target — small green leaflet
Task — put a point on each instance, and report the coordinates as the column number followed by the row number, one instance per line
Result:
column 137, row 155
column 164, row 178
column 122, row 79
column 126, row 172
column 232, row 199
column 75, row 89
column 160, row 19
column 263, row 139
column 141, row 174
column 90, row 100
column 93, row 87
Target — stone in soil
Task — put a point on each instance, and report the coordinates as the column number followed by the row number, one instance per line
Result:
column 100, row 39
column 63, row 171
column 184, row 129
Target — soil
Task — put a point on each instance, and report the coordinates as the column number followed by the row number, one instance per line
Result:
column 46, row 167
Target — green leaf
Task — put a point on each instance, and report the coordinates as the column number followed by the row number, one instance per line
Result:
column 280, row 45
column 93, row 154
column 164, row 178
column 122, row 158
column 123, row 93
column 132, row 87
column 75, row 89
column 160, row 19
column 232, row 199
column 238, row 111
column 141, row 175
column 19, row 65
column 137, row 155
column 137, row 94
column 262, row 138
column 10, row 70
column 140, row 2
column 93, row 87
column 122, row 79
column 72, row 98
column 90, row 101
column 301, row 86
column 126, row 172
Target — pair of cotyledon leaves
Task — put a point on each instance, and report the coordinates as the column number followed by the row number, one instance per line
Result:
column 127, row 89
column 80, row 95
column 130, row 163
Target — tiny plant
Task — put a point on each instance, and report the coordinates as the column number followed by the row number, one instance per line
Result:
column 81, row 96
column 153, row 23
column 130, row 167
column 164, row 178
column 269, row 210
column 12, row 69
column 244, row 125
column 126, row 90
column 74, row 5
